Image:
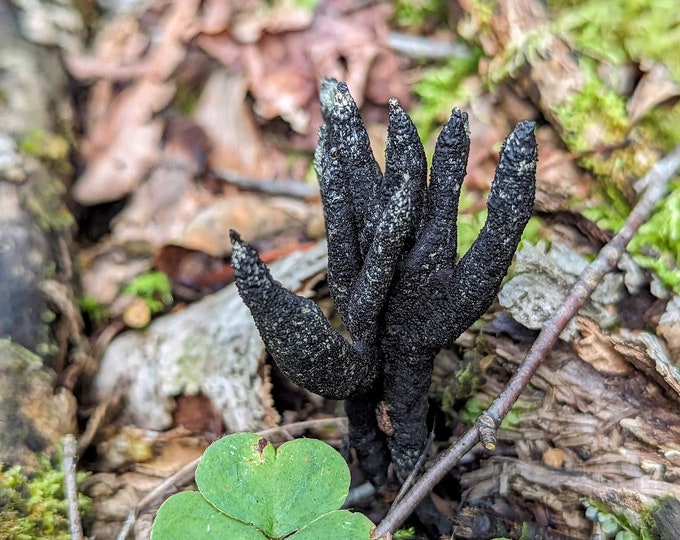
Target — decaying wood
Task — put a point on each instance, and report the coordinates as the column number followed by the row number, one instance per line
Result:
column 34, row 233
column 484, row 522
column 33, row 417
column 665, row 520
column 618, row 436
column 553, row 75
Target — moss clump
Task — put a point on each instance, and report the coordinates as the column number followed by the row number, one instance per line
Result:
column 593, row 117
column 439, row 87
column 419, row 15
column 33, row 505
column 154, row 288
column 657, row 243
column 624, row 31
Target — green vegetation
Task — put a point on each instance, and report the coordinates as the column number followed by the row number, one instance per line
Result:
column 252, row 491
column 657, row 243
column 619, row 32
column 405, row 534
column 93, row 309
column 33, row 505
column 613, row 526
column 631, row 31
column 594, row 116
column 439, row 88
column 154, row 288
column 418, row 14
column 45, row 145
column 473, row 408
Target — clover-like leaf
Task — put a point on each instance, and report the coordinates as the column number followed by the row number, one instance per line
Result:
column 338, row 525
column 251, row 491
column 278, row 491
column 190, row 515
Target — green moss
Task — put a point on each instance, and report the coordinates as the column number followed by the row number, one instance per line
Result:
column 662, row 125
column 657, row 243
column 309, row 5
column 44, row 145
column 415, row 15
column 484, row 9
column 517, row 54
column 405, row 534
column 656, row 514
column 597, row 115
column 43, row 198
column 186, row 97
column 439, row 88
column 623, row 31
column 44, row 201
column 152, row 287
column 594, row 116
column 33, row 506
column 473, row 408
column 93, row 309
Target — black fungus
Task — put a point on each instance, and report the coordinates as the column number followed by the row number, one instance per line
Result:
column 393, row 272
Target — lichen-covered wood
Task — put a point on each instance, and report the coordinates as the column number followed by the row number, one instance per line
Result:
column 393, row 272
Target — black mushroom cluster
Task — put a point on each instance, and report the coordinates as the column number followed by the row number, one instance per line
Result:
column 393, row 273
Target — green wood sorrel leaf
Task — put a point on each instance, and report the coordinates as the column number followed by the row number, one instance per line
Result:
column 189, row 515
column 250, row 490
column 337, row 525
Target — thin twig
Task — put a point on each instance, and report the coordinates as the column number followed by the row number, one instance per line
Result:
column 181, row 478
column 425, row 48
column 656, row 183
column 288, row 188
column 70, row 486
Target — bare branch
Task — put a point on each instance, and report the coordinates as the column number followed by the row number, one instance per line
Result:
column 70, row 486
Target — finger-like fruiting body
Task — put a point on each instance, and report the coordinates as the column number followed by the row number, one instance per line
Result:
column 298, row 336
column 392, row 271
column 480, row 272
column 438, row 242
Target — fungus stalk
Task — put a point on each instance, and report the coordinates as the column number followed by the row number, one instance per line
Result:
column 393, row 273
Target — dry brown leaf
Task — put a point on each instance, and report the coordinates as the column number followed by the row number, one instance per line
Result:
column 123, row 137
column 284, row 64
column 160, row 209
column 277, row 18
column 253, row 217
column 596, row 348
column 655, row 86
column 225, row 117
column 352, row 46
column 281, row 79
column 121, row 166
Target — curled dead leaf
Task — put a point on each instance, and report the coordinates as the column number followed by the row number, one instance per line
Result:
column 596, row 348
